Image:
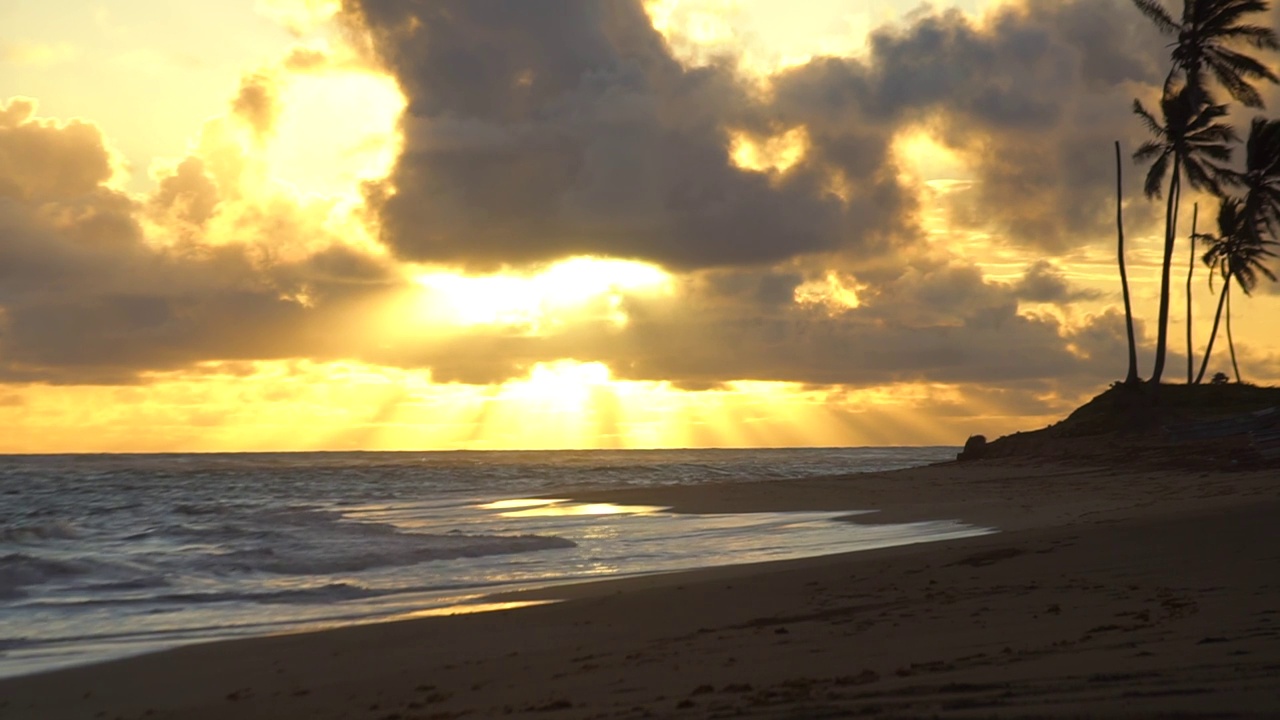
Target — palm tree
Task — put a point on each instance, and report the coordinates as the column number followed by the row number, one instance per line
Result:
column 1195, row 144
column 1238, row 256
column 1261, row 178
column 1191, row 271
column 1131, row 378
column 1206, row 30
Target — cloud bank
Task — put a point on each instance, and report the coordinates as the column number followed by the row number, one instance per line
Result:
column 530, row 136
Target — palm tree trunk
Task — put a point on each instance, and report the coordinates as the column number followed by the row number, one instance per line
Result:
column 1131, row 378
column 1217, row 317
column 1230, row 342
column 1191, row 271
column 1171, row 230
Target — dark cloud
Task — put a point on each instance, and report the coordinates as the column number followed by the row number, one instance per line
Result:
column 305, row 60
column 1032, row 98
column 188, row 194
column 256, row 103
column 1045, row 283
column 74, row 313
column 83, row 299
column 532, row 135
column 43, row 160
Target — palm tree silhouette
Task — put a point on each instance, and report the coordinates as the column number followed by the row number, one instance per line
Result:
column 1261, row 178
column 1193, row 141
column 1256, row 222
column 1131, row 377
column 1191, row 271
column 1239, row 256
column 1206, row 30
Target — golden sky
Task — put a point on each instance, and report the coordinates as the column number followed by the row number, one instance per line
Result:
column 382, row 224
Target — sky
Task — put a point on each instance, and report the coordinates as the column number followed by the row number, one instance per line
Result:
column 412, row 225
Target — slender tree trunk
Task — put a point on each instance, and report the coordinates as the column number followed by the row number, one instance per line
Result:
column 1171, row 230
column 1217, row 317
column 1131, row 378
column 1231, row 343
column 1191, row 271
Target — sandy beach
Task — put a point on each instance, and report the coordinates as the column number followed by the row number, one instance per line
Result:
column 1107, row 592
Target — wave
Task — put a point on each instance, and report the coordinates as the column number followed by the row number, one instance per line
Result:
column 35, row 532
column 337, row 554
column 325, row 593
column 140, row 583
column 19, row 571
column 205, row 544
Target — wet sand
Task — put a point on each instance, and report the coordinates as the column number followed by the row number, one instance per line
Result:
column 1107, row 593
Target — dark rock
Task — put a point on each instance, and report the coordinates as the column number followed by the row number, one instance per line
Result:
column 974, row 448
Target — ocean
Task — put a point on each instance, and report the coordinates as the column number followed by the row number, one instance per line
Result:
column 103, row 556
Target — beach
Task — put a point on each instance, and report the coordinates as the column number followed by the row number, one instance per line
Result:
column 1107, row 592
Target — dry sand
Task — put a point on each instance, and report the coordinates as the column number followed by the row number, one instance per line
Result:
column 1107, row 593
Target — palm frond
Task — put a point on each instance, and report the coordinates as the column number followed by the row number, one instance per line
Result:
column 1193, row 115
column 1267, row 271
column 1218, row 14
column 1148, row 150
column 1155, row 176
column 1148, row 119
column 1201, row 175
column 1259, row 36
column 1237, row 252
column 1237, row 86
column 1228, row 218
column 1240, row 63
column 1214, row 151
column 1216, row 134
column 1156, row 13
column 1207, row 29
column 1231, row 178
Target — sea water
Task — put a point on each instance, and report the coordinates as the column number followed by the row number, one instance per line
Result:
column 103, row 556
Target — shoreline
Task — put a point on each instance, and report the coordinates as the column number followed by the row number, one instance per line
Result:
column 1148, row 580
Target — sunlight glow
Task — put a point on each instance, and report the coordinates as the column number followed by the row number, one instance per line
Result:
column 769, row 154
column 922, row 158
column 335, row 130
column 764, row 37
column 467, row 607
column 581, row 284
column 704, row 23
column 289, row 184
column 300, row 16
column 307, row 405
column 563, row 386
column 563, row 508
column 517, row 503
column 24, row 52
column 835, row 292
